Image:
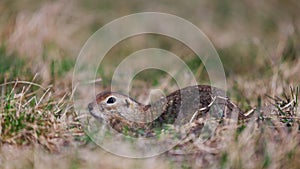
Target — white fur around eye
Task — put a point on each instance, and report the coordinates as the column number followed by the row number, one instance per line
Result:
column 111, row 100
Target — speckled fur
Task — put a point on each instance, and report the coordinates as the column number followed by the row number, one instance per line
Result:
column 177, row 108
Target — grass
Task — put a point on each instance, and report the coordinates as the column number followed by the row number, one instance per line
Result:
column 11, row 65
column 33, row 115
column 258, row 44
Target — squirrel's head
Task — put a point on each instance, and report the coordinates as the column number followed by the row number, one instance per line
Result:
column 109, row 104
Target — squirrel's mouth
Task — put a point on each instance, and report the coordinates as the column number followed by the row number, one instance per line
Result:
column 91, row 106
column 95, row 111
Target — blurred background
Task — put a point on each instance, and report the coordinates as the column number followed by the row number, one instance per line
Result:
column 257, row 41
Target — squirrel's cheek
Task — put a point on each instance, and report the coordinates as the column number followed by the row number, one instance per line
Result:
column 110, row 108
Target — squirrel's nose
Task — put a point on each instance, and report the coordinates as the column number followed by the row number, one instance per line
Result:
column 91, row 107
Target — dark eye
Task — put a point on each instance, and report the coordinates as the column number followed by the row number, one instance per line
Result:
column 111, row 100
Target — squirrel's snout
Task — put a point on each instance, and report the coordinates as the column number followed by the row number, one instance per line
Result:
column 91, row 106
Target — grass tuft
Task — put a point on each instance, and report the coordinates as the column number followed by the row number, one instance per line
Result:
column 36, row 116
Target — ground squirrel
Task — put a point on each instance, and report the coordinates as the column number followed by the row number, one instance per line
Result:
column 180, row 107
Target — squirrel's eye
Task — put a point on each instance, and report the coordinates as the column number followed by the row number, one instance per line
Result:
column 111, row 100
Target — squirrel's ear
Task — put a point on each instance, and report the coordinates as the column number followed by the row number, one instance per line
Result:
column 127, row 103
